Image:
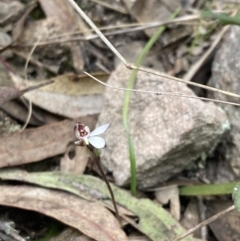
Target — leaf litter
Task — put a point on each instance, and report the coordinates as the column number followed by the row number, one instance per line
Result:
column 74, row 96
column 89, row 218
column 154, row 221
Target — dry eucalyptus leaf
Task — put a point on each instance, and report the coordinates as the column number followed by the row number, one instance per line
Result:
column 71, row 96
column 88, row 217
column 35, row 144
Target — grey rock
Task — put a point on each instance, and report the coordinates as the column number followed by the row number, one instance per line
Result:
column 225, row 76
column 168, row 132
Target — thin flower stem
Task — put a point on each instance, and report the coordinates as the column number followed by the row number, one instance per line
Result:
column 97, row 161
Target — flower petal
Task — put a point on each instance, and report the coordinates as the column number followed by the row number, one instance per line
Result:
column 100, row 130
column 97, row 141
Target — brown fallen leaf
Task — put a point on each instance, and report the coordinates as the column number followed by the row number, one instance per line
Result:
column 71, row 96
column 10, row 92
column 88, row 217
column 35, row 144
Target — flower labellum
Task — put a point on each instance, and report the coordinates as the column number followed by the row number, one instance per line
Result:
column 85, row 137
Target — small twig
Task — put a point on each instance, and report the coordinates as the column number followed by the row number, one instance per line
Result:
column 134, row 27
column 177, row 94
column 204, row 223
column 97, row 162
column 26, row 78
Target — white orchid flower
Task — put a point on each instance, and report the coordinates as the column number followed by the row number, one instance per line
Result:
column 84, row 135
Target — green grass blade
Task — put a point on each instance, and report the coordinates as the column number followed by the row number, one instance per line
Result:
column 207, row 189
column 127, row 97
column 223, row 18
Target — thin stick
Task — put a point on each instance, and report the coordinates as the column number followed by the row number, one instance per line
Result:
column 26, row 78
column 140, row 27
column 97, row 161
column 204, row 223
column 177, row 94
column 131, row 66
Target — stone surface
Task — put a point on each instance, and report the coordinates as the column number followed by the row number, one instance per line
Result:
column 168, row 132
column 225, row 75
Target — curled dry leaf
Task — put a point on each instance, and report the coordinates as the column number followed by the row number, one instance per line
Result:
column 90, row 218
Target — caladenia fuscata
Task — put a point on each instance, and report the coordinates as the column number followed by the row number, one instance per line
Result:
column 94, row 142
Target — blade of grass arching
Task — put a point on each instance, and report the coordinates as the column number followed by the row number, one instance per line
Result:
column 130, row 85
